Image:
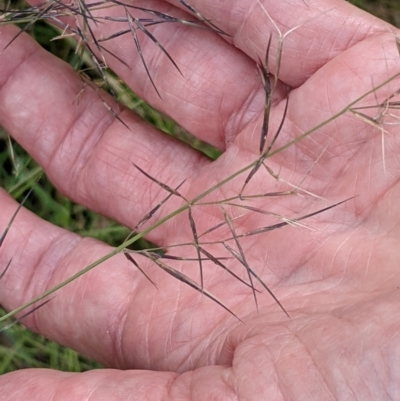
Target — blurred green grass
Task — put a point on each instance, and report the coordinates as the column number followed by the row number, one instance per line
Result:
column 20, row 348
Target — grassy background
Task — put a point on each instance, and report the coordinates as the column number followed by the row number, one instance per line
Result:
column 19, row 348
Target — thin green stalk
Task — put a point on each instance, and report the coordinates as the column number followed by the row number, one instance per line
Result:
column 190, row 203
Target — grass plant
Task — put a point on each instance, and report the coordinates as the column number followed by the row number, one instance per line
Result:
column 84, row 52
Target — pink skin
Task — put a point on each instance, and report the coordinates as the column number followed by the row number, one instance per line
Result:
column 339, row 281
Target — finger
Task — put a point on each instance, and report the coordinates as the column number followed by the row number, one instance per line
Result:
column 42, row 256
column 326, row 29
column 219, row 91
column 214, row 93
column 112, row 314
column 85, row 151
column 113, row 385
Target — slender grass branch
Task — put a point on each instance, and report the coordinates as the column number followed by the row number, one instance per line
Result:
column 192, row 202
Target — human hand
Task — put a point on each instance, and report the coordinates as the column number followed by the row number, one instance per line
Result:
column 338, row 280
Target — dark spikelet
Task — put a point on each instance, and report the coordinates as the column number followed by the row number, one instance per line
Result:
column 3, row 236
column 290, row 221
column 96, row 61
column 196, row 244
column 114, row 35
column 162, row 185
column 162, row 17
column 265, row 154
column 217, row 262
column 213, row 228
column 86, row 15
column 241, row 257
column 278, row 131
column 75, row 11
column 265, row 77
column 253, row 171
column 169, row 18
column 54, row 10
column 270, row 292
column 271, row 227
column 150, row 214
column 201, row 18
column 5, row 270
column 114, row 55
column 174, row 257
column 251, row 208
column 137, row 23
column 16, row 321
column 251, row 271
column 133, row 261
column 266, row 194
column 188, row 281
column 157, row 43
column 32, row 21
column 132, row 27
column 115, row 115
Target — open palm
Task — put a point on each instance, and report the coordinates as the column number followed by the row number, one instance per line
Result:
column 336, row 273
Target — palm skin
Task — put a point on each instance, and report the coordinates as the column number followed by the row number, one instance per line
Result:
column 338, row 281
